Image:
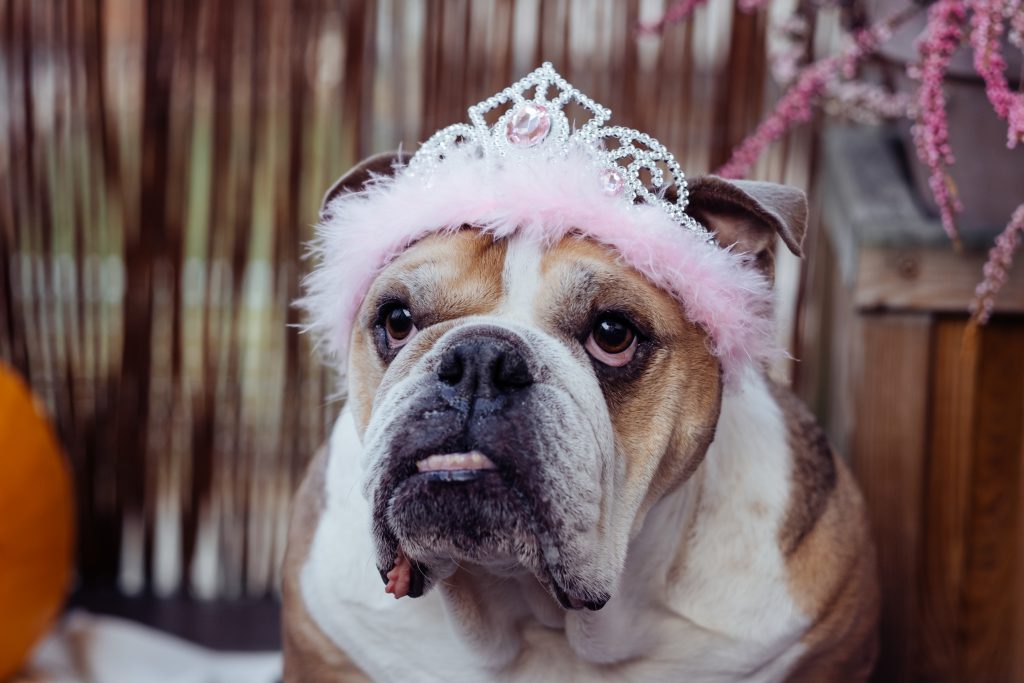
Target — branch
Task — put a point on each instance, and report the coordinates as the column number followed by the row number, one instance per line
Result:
column 931, row 129
column 795, row 105
column 997, row 267
column 986, row 34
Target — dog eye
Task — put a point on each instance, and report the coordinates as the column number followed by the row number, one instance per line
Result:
column 399, row 326
column 612, row 341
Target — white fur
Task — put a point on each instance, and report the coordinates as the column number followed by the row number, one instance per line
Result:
column 521, row 277
column 729, row 617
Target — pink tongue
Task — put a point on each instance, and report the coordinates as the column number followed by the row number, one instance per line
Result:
column 399, row 577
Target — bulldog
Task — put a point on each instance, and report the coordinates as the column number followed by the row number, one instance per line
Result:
column 559, row 456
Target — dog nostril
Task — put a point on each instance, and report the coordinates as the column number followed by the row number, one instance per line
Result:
column 450, row 369
column 511, row 371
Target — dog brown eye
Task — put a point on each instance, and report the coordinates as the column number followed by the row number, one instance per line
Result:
column 399, row 326
column 613, row 336
column 612, row 341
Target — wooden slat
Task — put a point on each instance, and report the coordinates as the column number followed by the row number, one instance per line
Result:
column 935, row 418
column 1018, row 584
column 889, row 368
column 928, row 279
column 947, row 500
column 996, row 507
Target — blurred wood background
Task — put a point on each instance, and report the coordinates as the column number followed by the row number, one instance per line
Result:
column 161, row 164
column 930, row 412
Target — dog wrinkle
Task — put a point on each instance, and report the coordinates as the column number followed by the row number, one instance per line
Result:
column 449, row 276
column 482, row 618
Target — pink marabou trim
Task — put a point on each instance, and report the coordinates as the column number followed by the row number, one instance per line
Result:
column 544, row 201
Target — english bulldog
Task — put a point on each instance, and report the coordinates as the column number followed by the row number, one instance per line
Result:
column 559, row 456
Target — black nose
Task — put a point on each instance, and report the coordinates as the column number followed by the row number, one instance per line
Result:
column 485, row 367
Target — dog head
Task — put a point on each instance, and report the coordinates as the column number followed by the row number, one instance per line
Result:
column 523, row 397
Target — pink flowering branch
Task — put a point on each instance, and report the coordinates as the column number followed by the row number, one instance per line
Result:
column 931, row 130
column 684, row 9
column 1015, row 10
column 820, row 82
column 997, row 267
column 852, row 100
column 986, row 35
column 796, row 104
column 676, row 14
column 794, row 107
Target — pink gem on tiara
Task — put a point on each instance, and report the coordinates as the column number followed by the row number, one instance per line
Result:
column 528, row 125
column 612, row 182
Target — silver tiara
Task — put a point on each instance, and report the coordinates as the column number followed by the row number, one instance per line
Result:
column 539, row 126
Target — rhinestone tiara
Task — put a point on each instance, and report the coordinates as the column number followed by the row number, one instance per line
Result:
column 539, row 127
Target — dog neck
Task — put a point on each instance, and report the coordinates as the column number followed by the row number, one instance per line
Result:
column 496, row 614
column 704, row 579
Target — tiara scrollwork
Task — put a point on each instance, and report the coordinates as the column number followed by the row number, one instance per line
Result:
column 627, row 163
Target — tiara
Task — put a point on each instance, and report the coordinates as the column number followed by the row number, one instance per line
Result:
column 627, row 163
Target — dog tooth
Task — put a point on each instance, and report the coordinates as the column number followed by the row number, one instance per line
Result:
column 474, row 460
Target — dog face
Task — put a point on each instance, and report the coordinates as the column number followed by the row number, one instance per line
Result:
column 521, row 405
column 518, row 402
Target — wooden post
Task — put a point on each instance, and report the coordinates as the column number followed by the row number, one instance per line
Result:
column 929, row 410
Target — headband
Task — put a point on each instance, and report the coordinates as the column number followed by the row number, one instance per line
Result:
column 531, row 173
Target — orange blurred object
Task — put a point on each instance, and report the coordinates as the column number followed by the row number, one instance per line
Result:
column 36, row 523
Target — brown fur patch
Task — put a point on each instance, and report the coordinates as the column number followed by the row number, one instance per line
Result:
column 833, row 577
column 442, row 278
column 829, row 554
column 664, row 427
column 814, row 469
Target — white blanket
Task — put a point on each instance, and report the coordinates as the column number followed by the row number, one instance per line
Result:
column 86, row 648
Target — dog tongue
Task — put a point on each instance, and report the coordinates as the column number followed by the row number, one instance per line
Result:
column 400, row 576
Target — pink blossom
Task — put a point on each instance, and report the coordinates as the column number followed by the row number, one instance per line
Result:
column 676, row 14
column 986, row 34
column 684, row 9
column 997, row 267
column 1015, row 13
column 931, row 130
column 819, row 82
column 792, row 108
column 852, row 100
column 795, row 105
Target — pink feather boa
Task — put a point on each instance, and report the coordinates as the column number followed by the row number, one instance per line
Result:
column 544, row 200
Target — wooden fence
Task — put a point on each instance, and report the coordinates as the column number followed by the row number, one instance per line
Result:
column 161, row 163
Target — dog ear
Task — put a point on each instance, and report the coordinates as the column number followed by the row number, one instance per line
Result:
column 750, row 214
column 378, row 165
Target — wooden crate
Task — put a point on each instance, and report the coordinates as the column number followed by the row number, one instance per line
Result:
column 929, row 410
